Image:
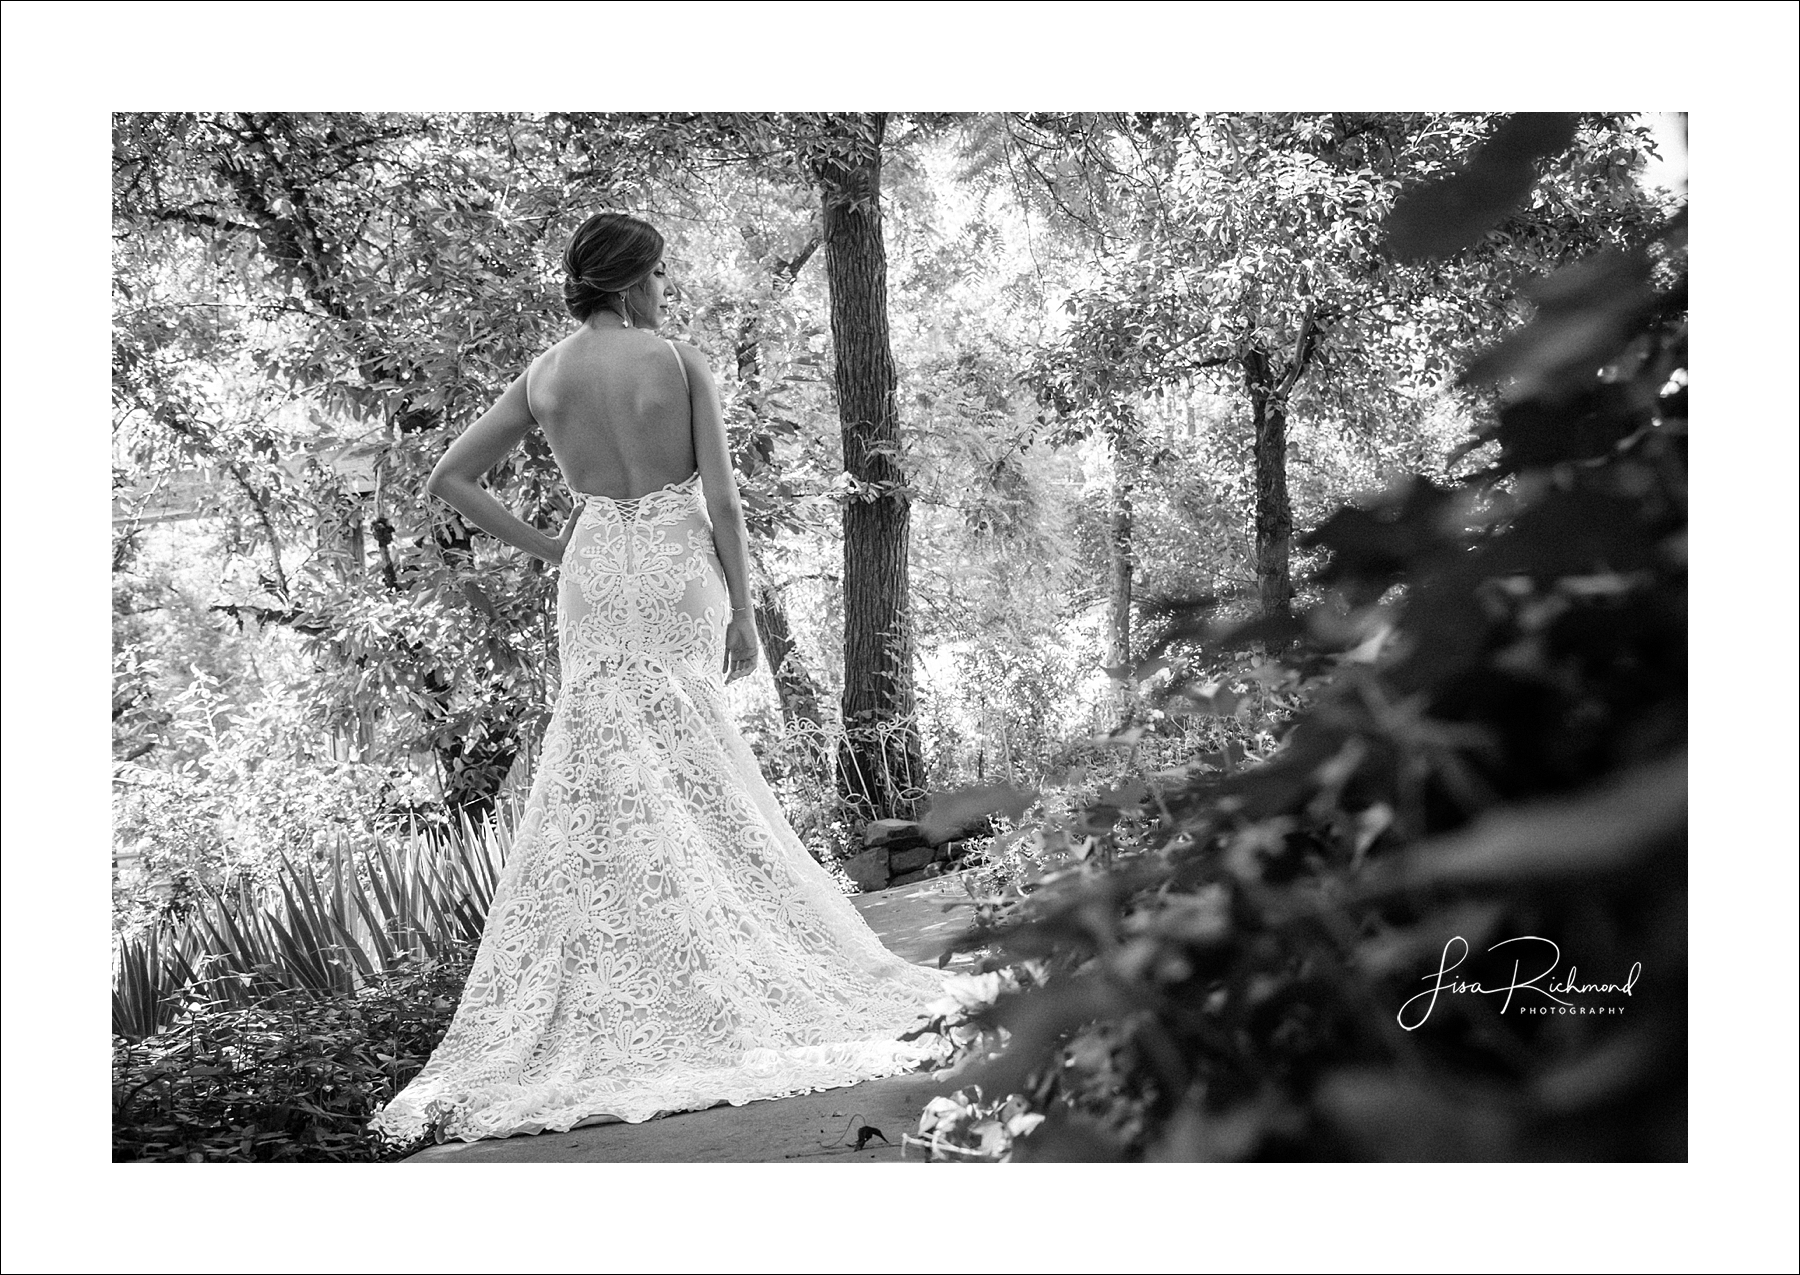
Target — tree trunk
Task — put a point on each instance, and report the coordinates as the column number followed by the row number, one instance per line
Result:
column 1274, row 517
column 881, row 765
column 1118, row 611
column 794, row 685
column 1122, row 562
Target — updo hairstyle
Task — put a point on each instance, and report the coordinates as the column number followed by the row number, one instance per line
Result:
column 605, row 258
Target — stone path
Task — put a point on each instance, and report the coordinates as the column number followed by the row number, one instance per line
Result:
column 913, row 922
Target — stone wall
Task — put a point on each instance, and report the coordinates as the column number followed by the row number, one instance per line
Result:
column 898, row 852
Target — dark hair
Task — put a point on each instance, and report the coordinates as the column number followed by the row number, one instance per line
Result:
column 605, row 257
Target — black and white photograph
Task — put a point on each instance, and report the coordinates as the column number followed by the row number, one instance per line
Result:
column 1139, row 643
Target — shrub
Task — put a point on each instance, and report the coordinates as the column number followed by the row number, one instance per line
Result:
column 1192, row 716
column 252, row 794
column 291, row 1077
column 321, row 932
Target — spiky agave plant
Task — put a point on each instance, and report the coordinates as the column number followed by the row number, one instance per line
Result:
column 366, row 911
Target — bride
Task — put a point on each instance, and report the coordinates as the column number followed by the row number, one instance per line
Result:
column 660, row 940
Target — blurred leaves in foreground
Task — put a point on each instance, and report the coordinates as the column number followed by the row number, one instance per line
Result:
column 1497, row 753
column 1437, row 218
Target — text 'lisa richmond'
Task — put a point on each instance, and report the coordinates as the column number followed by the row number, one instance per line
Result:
column 1542, row 992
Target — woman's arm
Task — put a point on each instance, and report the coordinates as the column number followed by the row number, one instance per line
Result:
column 457, row 479
column 712, row 456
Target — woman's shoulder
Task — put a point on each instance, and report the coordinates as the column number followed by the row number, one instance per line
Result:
column 548, row 356
column 568, row 353
column 691, row 356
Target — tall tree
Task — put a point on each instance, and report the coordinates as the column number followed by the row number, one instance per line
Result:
column 882, row 766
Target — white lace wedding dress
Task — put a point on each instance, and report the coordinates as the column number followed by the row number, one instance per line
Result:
column 660, row 939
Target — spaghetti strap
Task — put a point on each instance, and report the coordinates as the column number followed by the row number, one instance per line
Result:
column 529, row 369
column 682, row 364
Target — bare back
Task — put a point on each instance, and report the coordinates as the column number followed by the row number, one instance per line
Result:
column 614, row 405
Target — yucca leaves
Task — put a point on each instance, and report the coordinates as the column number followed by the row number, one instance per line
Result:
column 138, row 985
column 365, row 911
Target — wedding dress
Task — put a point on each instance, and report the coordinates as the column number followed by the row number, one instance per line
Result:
column 660, row 940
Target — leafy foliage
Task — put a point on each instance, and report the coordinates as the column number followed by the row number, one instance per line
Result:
column 289, row 1077
column 1251, row 258
column 244, row 788
column 1265, row 233
column 1498, row 751
column 270, row 1024
column 369, row 278
column 962, row 1126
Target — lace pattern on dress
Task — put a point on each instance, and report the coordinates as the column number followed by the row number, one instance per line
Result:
column 660, row 940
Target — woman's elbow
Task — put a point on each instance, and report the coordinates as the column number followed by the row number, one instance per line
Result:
column 439, row 483
column 726, row 511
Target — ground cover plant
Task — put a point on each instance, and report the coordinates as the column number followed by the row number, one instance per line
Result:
column 290, row 1075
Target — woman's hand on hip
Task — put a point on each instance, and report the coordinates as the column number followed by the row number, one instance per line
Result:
column 562, row 541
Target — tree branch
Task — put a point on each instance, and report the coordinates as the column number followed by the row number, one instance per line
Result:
column 195, row 217
column 787, row 271
column 1304, row 345
column 258, row 502
column 292, row 616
